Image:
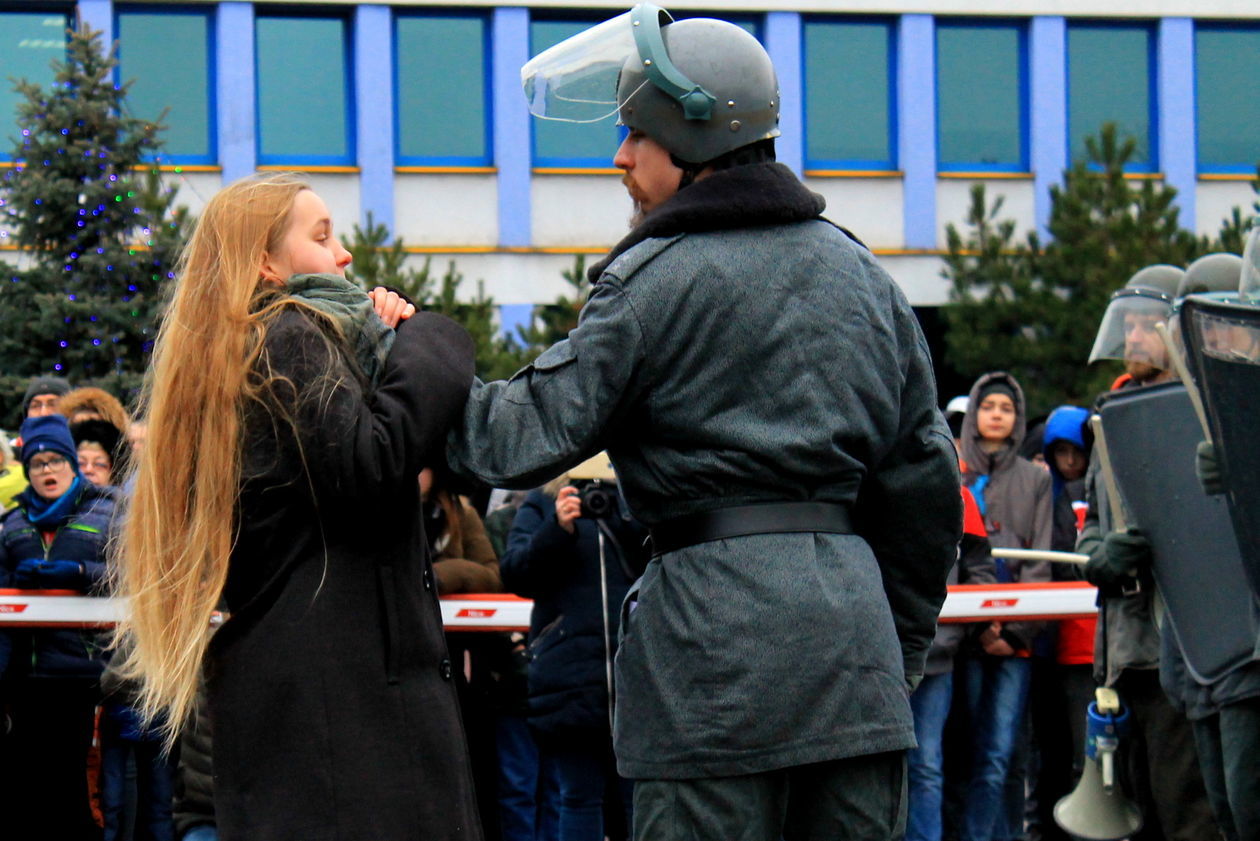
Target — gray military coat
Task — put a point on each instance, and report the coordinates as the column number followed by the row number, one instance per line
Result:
column 738, row 349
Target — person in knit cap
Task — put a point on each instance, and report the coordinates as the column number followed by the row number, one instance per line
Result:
column 54, row 539
column 42, row 396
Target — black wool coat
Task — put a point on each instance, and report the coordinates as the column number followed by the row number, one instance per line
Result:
column 332, row 705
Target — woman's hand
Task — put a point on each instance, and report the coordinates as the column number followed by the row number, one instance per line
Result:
column 390, row 306
column 992, row 643
column 568, row 508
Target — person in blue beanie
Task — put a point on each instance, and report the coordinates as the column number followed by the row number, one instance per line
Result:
column 55, row 539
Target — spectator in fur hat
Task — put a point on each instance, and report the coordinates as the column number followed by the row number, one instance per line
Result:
column 90, row 403
column 102, row 451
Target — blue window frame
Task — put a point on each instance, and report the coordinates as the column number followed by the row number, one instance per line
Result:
column 1111, row 79
column 305, row 99
column 981, row 97
column 1227, row 97
column 850, row 118
column 442, row 90
column 179, row 82
column 30, row 41
column 586, row 145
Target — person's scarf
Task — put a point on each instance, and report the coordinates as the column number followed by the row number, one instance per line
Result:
column 50, row 514
column 739, row 197
column 352, row 309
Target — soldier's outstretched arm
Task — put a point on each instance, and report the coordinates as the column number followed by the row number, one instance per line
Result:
column 909, row 509
column 552, row 414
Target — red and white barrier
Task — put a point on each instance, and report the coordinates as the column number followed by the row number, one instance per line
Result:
column 498, row 612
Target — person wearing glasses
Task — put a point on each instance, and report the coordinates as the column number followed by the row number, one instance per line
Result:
column 54, row 539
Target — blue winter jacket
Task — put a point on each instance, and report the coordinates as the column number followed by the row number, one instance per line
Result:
column 68, row 652
column 568, row 695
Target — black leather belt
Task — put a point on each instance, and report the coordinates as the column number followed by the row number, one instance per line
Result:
column 744, row 520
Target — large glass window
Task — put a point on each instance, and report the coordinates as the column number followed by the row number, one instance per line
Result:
column 1110, row 81
column 442, row 93
column 176, row 81
column 981, row 90
column 303, row 91
column 29, row 43
column 849, row 105
column 560, row 144
column 1227, row 95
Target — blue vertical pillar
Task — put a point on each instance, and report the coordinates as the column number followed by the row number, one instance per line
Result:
column 510, row 37
column 235, row 96
column 1048, row 152
column 514, row 316
column 1174, row 73
column 916, row 117
column 374, row 115
column 99, row 15
column 783, row 43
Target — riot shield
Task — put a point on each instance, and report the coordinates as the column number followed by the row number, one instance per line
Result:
column 1151, row 435
column 1222, row 342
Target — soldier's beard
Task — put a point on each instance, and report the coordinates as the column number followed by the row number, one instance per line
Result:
column 639, row 214
column 1141, row 370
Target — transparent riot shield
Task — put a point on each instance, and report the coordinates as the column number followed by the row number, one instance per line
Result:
column 1222, row 343
column 1151, row 437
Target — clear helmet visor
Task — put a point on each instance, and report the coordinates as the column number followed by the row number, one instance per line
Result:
column 576, row 80
column 1128, row 330
column 1249, row 286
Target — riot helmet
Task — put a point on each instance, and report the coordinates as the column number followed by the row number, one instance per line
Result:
column 1212, row 274
column 1249, row 285
column 698, row 87
column 1127, row 331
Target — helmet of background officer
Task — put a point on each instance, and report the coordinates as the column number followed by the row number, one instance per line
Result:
column 1249, row 284
column 1214, row 276
column 1128, row 330
column 697, row 94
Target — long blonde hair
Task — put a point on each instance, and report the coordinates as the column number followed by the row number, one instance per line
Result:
column 180, row 523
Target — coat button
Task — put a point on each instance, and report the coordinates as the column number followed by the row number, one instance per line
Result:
column 428, row 580
column 445, row 669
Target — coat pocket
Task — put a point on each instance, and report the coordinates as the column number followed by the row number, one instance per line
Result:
column 389, row 612
column 553, row 358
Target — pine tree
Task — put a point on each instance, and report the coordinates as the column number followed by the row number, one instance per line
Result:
column 1033, row 309
column 98, row 231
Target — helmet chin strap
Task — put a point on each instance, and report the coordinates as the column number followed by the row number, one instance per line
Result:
column 761, row 152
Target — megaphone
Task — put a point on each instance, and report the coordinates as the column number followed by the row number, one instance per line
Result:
column 1097, row 809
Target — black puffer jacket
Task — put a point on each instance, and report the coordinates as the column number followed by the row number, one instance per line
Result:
column 568, row 695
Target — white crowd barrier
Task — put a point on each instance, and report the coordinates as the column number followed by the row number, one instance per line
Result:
column 495, row 612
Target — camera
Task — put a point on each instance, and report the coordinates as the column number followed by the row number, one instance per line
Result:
column 599, row 498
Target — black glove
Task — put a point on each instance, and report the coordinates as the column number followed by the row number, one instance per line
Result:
column 1119, row 560
column 26, row 573
column 1208, row 469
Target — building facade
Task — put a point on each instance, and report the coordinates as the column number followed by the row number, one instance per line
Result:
column 411, row 111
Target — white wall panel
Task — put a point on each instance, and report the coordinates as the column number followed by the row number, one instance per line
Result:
column 579, row 210
column 446, row 209
column 869, row 207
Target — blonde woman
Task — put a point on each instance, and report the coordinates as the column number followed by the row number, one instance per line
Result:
column 279, row 475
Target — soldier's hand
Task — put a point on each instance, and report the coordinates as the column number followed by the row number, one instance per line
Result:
column 1208, row 469
column 1119, row 559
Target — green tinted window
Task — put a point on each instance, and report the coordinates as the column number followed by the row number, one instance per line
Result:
column 166, row 79
column 1227, row 92
column 1109, row 81
column 303, row 114
column 569, row 144
column 980, row 91
column 441, row 89
column 848, row 115
column 29, row 43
